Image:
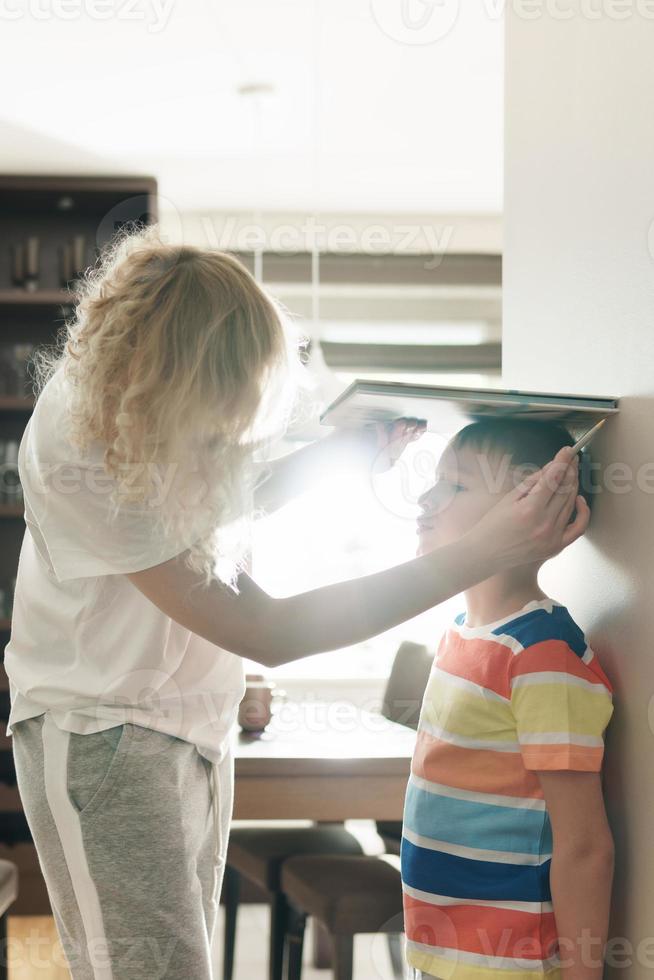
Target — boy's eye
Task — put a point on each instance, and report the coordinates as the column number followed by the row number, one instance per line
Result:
column 449, row 483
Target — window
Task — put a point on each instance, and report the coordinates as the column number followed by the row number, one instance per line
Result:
column 395, row 317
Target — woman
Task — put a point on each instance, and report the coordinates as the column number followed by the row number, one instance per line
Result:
column 133, row 609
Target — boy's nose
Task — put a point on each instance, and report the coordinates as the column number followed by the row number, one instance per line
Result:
column 423, row 500
column 428, row 500
column 435, row 499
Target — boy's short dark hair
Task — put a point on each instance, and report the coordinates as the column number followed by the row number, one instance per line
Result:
column 530, row 444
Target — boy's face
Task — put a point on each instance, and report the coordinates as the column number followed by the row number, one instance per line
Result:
column 468, row 483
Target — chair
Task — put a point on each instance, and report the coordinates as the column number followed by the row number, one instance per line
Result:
column 255, row 856
column 352, row 895
column 348, row 895
column 8, row 895
column 402, row 701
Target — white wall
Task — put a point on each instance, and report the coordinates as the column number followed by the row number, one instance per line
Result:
column 579, row 317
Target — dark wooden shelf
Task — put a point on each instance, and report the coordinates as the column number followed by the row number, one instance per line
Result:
column 40, row 297
column 53, row 208
column 11, row 510
column 15, row 403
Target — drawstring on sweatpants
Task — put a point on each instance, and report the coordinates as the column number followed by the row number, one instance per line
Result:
column 217, row 829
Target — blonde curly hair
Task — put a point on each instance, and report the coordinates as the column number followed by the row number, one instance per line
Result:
column 175, row 356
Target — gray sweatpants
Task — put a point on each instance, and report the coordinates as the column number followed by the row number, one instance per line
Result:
column 131, row 828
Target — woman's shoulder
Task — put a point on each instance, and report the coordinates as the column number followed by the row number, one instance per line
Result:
column 47, row 435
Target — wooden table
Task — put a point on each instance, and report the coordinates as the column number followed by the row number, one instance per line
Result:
column 323, row 761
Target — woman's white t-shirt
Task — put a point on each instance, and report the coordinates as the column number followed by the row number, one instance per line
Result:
column 86, row 645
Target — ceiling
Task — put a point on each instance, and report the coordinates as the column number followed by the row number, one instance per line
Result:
column 368, row 111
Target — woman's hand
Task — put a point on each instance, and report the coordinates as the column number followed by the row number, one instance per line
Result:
column 361, row 451
column 393, row 438
column 380, row 444
column 531, row 522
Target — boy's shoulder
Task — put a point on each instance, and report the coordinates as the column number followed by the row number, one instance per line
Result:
column 541, row 636
column 541, row 620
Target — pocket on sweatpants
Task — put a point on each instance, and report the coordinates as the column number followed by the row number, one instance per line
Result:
column 94, row 764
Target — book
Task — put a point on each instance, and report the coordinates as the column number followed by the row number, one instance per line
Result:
column 448, row 409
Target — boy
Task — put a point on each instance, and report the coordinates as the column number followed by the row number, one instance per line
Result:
column 507, row 856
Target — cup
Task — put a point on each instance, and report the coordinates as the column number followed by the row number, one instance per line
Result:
column 32, row 264
column 65, row 253
column 17, row 263
column 255, row 710
column 20, row 360
column 78, row 255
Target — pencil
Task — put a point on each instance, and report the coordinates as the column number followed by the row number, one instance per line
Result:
column 587, row 436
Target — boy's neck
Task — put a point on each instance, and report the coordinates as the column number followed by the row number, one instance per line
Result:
column 501, row 595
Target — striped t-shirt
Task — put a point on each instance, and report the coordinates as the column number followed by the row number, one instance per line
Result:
column 503, row 700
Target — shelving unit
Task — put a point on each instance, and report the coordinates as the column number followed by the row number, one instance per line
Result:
column 54, row 208
column 42, row 297
column 11, row 510
column 13, row 403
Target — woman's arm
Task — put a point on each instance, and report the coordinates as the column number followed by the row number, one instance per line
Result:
column 276, row 631
column 292, row 474
column 528, row 523
column 581, row 873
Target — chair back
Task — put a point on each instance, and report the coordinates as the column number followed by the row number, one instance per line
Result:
column 407, row 682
